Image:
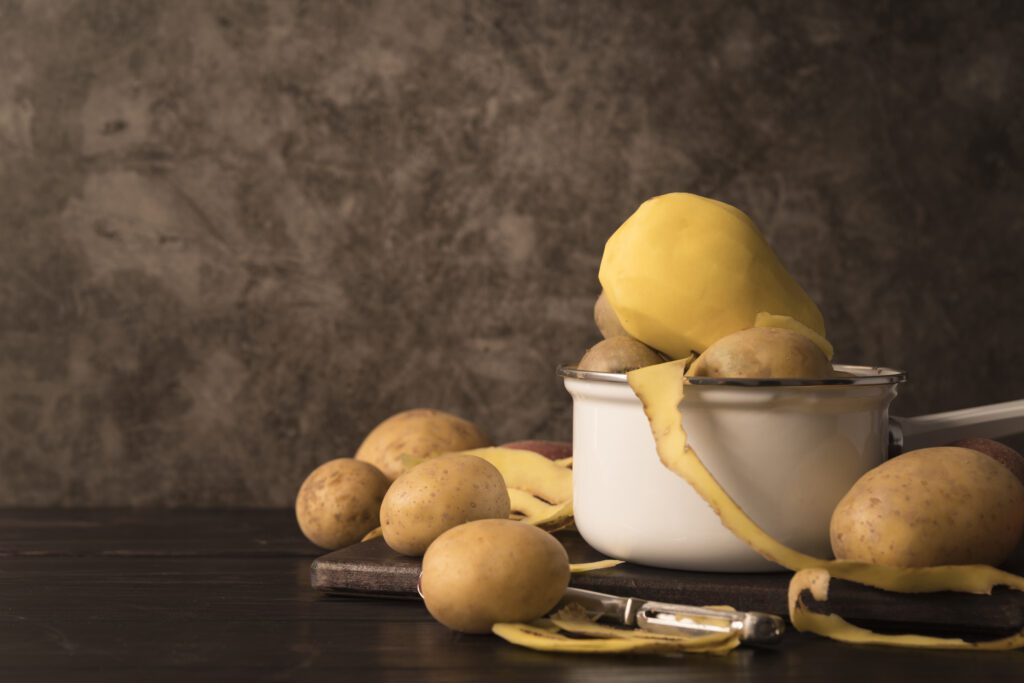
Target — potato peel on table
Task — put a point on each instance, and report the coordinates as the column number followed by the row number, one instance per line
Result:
column 660, row 389
column 583, row 567
column 816, row 581
column 571, row 629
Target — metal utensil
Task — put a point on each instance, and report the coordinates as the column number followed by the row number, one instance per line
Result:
column 753, row 628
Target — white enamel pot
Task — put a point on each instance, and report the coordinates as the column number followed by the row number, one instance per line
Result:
column 785, row 450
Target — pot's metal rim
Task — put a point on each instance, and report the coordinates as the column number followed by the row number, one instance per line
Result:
column 860, row 375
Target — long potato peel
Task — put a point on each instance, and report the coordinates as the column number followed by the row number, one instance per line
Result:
column 537, row 637
column 586, row 636
column 660, row 389
column 560, row 517
column 584, row 567
column 527, row 504
column 815, row 582
column 576, row 621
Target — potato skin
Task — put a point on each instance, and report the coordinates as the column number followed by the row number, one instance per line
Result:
column 339, row 502
column 437, row 495
column 417, row 433
column 930, row 507
column 763, row 352
column 491, row 571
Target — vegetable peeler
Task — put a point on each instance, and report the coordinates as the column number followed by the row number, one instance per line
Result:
column 753, row 628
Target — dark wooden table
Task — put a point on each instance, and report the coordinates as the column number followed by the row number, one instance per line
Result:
column 224, row 595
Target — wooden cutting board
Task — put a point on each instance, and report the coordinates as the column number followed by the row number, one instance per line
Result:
column 373, row 569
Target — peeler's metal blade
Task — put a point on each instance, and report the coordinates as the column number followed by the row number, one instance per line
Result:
column 753, row 628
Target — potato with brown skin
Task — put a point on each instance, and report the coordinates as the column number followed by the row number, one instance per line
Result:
column 439, row 494
column 998, row 451
column 929, row 507
column 416, row 434
column 339, row 502
column 763, row 353
column 618, row 354
column 491, row 571
column 606, row 320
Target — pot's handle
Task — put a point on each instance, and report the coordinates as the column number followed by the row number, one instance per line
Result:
column 991, row 421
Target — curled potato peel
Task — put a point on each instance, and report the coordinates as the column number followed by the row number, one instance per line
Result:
column 571, row 629
column 815, row 582
column 660, row 389
column 527, row 504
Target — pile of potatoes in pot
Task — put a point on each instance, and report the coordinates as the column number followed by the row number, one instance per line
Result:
column 961, row 504
column 431, row 484
column 774, row 346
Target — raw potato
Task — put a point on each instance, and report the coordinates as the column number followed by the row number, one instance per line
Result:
column 492, row 571
column 437, row 495
column 763, row 352
column 606, row 320
column 996, row 450
column 340, row 502
column 765, row 319
column 931, row 507
column 618, row 354
column 684, row 271
column 416, row 434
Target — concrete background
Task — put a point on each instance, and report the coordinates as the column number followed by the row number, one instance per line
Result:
column 236, row 235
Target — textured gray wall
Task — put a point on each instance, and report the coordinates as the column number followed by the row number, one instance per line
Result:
column 235, row 235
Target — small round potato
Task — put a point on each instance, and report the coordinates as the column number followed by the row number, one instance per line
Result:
column 415, row 434
column 437, row 495
column 340, row 502
column 491, row 571
column 618, row 354
column 930, row 507
column 763, row 353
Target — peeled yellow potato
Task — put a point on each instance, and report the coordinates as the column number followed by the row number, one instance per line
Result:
column 490, row 571
column 416, row 434
column 931, row 507
column 763, row 352
column 684, row 271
